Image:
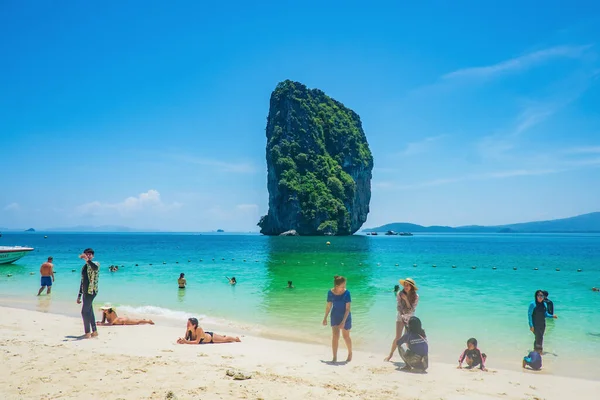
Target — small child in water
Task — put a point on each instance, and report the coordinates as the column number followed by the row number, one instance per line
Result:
column 472, row 356
column 534, row 359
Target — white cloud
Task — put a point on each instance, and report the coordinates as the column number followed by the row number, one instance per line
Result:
column 247, row 207
column 519, row 63
column 421, row 146
column 497, row 145
column 12, row 207
column 584, row 150
column 233, row 167
column 474, row 177
column 149, row 200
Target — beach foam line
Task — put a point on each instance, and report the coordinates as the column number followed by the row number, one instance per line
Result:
column 163, row 312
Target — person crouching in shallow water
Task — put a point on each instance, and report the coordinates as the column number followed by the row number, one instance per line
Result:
column 110, row 317
column 534, row 359
column 196, row 335
column 338, row 303
column 416, row 356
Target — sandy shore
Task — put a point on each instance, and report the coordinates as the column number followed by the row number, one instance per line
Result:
column 41, row 358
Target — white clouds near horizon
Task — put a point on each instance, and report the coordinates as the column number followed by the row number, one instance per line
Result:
column 149, row 200
column 421, row 146
column 518, row 63
column 223, row 166
column 12, row 207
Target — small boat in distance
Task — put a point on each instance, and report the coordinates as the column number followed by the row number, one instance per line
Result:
column 9, row 254
column 405, row 234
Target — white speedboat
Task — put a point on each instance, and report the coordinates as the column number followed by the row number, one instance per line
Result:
column 9, row 254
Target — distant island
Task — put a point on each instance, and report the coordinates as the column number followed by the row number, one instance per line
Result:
column 86, row 228
column 586, row 223
column 30, row 230
column 318, row 165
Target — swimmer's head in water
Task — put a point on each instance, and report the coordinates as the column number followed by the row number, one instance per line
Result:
column 289, row 283
column 396, row 288
column 539, row 296
column 472, row 342
column 181, row 275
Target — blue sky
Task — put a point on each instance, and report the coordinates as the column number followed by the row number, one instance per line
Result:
column 152, row 115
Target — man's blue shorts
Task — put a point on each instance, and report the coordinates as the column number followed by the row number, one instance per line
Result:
column 46, row 281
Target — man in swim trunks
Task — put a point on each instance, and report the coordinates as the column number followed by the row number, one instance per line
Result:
column 47, row 273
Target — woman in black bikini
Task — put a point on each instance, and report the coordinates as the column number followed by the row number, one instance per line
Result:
column 196, row 335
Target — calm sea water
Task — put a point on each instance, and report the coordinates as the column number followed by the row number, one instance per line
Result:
column 456, row 303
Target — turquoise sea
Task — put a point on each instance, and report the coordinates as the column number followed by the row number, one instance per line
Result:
column 455, row 303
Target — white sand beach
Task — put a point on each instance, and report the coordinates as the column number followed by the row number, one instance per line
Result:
column 40, row 358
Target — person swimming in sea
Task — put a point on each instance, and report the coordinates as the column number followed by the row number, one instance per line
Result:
column 595, row 289
column 549, row 303
column 472, row 356
column 232, row 280
column 110, row 317
column 396, row 289
column 196, row 335
column 181, row 281
column 290, row 286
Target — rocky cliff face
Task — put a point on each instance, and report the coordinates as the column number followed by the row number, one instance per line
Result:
column 319, row 164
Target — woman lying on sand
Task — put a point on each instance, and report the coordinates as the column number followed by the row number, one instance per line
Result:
column 196, row 335
column 110, row 317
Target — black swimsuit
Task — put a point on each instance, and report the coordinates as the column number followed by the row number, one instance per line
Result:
column 211, row 337
column 190, row 335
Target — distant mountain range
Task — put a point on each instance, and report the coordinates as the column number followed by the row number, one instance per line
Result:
column 586, row 223
column 80, row 228
column 101, row 228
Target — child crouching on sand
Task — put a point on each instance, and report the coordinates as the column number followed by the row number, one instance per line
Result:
column 534, row 359
column 472, row 356
column 416, row 356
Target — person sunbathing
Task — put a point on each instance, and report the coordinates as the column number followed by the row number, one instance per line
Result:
column 196, row 335
column 110, row 317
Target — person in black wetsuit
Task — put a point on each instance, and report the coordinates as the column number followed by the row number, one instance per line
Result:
column 538, row 312
column 549, row 303
column 473, row 356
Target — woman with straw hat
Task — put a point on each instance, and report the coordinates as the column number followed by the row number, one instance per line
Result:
column 407, row 300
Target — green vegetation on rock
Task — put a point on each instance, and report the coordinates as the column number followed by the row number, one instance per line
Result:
column 318, row 160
